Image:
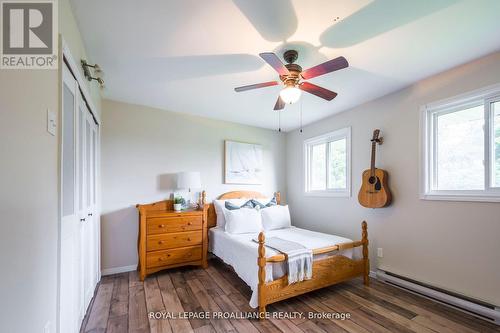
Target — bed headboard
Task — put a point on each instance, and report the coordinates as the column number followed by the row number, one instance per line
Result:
column 212, row 217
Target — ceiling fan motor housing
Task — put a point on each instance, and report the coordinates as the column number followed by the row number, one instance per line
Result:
column 291, row 79
column 290, row 56
column 294, row 76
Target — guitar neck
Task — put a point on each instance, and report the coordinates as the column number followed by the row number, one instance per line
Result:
column 372, row 165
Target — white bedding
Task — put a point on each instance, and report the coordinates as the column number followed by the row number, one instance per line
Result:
column 240, row 251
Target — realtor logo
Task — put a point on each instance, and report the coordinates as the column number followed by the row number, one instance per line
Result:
column 29, row 35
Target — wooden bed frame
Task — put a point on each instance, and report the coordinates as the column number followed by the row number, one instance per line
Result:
column 326, row 272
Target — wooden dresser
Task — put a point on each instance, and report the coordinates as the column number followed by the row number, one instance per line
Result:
column 170, row 239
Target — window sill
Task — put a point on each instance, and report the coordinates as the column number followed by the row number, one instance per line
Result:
column 337, row 194
column 461, row 197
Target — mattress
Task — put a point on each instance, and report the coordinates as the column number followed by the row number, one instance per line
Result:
column 240, row 252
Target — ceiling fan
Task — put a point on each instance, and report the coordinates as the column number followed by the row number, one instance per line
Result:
column 292, row 76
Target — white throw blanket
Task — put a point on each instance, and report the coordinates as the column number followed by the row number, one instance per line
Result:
column 299, row 258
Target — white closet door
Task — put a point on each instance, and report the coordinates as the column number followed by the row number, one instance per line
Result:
column 79, row 268
column 88, row 235
column 71, row 302
column 95, row 219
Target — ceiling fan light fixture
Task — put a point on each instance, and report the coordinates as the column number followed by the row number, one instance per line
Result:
column 290, row 94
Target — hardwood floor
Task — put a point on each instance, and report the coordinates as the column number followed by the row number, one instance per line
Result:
column 122, row 304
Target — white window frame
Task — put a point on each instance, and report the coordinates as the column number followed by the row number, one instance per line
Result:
column 428, row 134
column 344, row 133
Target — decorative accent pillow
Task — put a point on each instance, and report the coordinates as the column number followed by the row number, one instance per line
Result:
column 276, row 217
column 219, row 209
column 243, row 221
column 231, row 206
column 264, row 203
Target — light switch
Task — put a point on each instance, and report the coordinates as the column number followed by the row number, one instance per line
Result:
column 51, row 122
column 380, row 252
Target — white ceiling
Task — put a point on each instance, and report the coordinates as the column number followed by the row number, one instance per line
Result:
column 188, row 55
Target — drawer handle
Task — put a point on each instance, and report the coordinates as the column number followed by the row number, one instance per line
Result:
column 161, row 226
column 189, row 239
column 161, row 259
column 189, row 223
column 161, row 242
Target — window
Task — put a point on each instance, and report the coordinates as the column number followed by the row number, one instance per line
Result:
column 327, row 164
column 495, row 143
column 461, row 147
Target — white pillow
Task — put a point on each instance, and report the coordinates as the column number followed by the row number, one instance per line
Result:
column 243, row 221
column 219, row 206
column 276, row 217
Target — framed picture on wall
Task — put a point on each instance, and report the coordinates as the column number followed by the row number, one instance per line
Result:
column 243, row 163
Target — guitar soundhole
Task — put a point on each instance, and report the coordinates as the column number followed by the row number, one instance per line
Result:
column 375, row 181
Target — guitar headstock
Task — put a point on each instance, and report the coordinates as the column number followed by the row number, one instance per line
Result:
column 376, row 137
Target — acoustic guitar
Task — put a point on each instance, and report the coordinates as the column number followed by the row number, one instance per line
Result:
column 374, row 192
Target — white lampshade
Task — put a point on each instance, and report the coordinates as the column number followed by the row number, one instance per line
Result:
column 290, row 94
column 188, row 180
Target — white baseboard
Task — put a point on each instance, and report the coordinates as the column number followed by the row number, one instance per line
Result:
column 373, row 274
column 116, row 270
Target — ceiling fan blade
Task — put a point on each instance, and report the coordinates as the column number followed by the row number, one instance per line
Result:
column 275, row 62
column 256, row 86
column 326, row 67
column 318, row 91
column 280, row 105
column 278, row 24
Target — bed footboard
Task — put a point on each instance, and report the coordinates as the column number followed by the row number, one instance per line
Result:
column 326, row 272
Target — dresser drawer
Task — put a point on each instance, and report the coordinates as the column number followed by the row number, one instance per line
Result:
column 173, row 256
column 173, row 240
column 160, row 225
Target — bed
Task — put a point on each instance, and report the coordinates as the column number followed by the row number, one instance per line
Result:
column 335, row 259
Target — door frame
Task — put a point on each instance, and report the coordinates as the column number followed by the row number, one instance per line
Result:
column 66, row 58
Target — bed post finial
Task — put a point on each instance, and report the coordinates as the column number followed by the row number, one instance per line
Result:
column 261, row 262
column 364, row 239
column 277, row 195
column 203, row 197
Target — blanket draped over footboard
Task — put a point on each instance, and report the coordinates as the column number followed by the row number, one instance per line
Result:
column 326, row 272
column 299, row 258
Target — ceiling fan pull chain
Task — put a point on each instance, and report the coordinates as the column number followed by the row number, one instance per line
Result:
column 279, row 120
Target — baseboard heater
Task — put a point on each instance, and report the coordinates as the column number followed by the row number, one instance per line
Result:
column 474, row 307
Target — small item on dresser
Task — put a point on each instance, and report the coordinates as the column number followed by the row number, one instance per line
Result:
column 178, row 203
